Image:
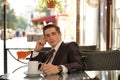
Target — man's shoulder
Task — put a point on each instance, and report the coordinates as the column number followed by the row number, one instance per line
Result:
column 70, row 43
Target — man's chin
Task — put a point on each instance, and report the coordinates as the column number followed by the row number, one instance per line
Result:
column 53, row 45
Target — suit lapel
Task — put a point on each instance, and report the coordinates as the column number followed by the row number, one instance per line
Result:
column 59, row 54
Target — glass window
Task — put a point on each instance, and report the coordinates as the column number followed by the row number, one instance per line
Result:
column 116, row 25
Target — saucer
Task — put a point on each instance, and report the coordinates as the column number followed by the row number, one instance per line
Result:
column 37, row 74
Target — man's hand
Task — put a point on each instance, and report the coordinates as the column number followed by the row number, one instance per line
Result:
column 49, row 69
column 39, row 45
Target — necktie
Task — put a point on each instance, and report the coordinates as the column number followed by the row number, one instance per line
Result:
column 50, row 55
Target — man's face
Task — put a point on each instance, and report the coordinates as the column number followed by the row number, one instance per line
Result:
column 52, row 36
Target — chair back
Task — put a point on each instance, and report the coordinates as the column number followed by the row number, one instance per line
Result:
column 88, row 48
column 102, row 60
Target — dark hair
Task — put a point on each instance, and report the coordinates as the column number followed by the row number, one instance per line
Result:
column 51, row 26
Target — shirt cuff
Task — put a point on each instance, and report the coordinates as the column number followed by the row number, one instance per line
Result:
column 34, row 54
column 65, row 70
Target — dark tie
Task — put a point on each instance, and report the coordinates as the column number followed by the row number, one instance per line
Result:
column 50, row 55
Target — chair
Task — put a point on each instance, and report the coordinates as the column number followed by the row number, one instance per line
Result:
column 102, row 60
column 88, row 48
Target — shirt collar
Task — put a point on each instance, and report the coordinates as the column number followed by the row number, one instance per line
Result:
column 57, row 46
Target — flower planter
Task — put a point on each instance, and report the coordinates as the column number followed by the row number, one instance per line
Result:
column 23, row 54
column 50, row 4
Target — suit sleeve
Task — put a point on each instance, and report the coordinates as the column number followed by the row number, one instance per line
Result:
column 74, row 57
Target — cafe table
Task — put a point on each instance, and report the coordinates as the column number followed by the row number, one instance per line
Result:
column 84, row 75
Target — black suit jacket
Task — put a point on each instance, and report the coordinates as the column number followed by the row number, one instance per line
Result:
column 68, row 55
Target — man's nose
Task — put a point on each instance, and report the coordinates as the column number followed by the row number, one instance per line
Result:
column 51, row 36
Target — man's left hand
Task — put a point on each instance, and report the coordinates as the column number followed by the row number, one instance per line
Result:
column 49, row 69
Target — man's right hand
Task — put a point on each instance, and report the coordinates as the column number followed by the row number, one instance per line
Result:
column 40, row 44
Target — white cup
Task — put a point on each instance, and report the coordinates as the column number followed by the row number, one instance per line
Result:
column 33, row 66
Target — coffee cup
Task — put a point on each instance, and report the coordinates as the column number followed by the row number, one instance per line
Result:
column 33, row 66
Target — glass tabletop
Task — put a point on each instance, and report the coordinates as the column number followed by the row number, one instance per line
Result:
column 85, row 75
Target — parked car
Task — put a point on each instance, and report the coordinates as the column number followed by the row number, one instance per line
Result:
column 9, row 34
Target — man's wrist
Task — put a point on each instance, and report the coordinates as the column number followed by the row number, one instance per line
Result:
column 60, row 69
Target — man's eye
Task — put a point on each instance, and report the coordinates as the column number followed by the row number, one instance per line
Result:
column 53, row 34
column 47, row 35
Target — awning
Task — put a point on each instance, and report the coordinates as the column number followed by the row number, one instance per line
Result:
column 46, row 18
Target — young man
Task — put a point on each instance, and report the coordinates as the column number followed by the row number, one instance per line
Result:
column 66, row 57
